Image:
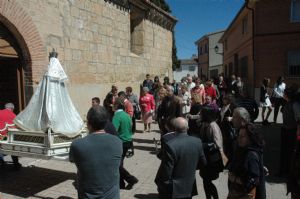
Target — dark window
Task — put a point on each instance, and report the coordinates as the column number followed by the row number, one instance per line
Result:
column 295, row 11
column 226, row 70
column 192, row 68
column 245, row 25
column 225, row 44
column 230, row 71
column 244, row 67
column 205, row 48
column 294, row 63
column 236, row 64
column 179, row 69
column 213, row 73
column 200, row 51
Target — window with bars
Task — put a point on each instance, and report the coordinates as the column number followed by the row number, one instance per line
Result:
column 244, row 67
column 295, row 11
column 294, row 63
column 245, row 25
column 205, row 48
column 192, row 68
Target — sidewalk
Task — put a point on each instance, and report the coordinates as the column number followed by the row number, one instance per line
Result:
column 54, row 179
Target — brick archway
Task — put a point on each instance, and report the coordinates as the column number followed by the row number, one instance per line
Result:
column 33, row 54
column 22, row 27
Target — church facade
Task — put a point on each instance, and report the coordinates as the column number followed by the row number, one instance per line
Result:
column 99, row 43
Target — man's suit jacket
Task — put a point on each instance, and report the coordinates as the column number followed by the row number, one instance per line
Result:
column 170, row 108
column 182, row 156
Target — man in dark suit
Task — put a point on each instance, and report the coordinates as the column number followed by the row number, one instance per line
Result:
column 182, row 156
column 170, row 109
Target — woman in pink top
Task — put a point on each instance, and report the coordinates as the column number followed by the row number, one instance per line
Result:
column 147, row 105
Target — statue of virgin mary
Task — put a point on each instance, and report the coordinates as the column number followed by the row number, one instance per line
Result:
column 51, row 106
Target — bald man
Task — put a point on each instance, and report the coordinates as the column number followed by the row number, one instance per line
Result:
column 182, row 156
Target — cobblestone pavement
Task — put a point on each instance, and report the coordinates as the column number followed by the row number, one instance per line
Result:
column 54, row 179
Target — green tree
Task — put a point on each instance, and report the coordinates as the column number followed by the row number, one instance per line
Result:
column 163, row 5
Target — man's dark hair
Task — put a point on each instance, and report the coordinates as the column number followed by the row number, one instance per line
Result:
column 97, row 99
column 280, row 80
column 208, row 114
column 119, row 103
column 97, row 118
column 129, row 89
column 121, row 94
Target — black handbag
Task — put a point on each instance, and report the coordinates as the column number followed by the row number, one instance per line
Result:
column 212, row 154
column 137, row 113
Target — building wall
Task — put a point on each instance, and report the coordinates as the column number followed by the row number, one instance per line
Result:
column 277, row 17
column 274, row 41
column 93, row 42
column 215, row 59
column 179, row 74
column 203, row 58
column 238, row 45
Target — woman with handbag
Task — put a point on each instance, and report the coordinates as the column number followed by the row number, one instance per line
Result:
column 228, row 132
column 211, row 137
column 265, row 101
column 246, row 178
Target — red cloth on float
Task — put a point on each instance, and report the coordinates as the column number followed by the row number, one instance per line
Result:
column 6, row 117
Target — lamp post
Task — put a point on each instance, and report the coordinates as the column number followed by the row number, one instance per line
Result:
column 217, row 50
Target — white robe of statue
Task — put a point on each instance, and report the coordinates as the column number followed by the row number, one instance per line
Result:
column 51, row 106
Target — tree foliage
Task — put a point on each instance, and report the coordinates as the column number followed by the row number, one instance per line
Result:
column 163, row 5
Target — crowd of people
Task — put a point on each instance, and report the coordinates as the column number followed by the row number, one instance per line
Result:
column 210, row 122
column 205, row 124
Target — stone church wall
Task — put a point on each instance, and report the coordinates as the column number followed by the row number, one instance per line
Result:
column 93, row 40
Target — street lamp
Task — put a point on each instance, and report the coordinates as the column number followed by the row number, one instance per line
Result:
column 217, row 50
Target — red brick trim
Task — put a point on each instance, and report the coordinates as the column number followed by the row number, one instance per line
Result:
column 23, row 28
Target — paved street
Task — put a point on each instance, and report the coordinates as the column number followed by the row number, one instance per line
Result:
column 54, row 179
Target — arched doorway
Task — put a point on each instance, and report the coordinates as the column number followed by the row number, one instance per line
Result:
column 11, row 70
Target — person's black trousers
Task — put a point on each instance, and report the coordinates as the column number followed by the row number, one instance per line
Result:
column 288, row 143
column 277, row 103
column 133, row 124
column 124, row 174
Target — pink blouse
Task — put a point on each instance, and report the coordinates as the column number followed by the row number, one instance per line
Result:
column 147, row 103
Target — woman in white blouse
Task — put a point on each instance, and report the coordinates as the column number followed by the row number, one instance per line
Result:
column 278, row 96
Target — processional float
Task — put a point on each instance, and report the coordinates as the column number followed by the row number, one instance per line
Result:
column 47, row 126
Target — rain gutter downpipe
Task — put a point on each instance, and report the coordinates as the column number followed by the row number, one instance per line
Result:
column 253, row 51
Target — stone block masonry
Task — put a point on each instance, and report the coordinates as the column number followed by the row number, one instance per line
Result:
column 93, row 39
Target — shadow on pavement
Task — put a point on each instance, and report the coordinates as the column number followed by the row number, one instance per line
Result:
column 139, row 131
column 29, row 181
column 276, row 180
column 145, row 148
column 146, row 196
column 272, row 138
column 147, row 141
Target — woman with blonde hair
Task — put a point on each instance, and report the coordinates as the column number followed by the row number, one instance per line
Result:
column 194, row 115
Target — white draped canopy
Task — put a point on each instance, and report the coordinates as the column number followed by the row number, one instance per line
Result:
column 51, row 106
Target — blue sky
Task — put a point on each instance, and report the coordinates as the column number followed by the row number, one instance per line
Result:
column 198, row 17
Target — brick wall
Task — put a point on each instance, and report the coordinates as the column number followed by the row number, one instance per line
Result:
column 204, row 57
